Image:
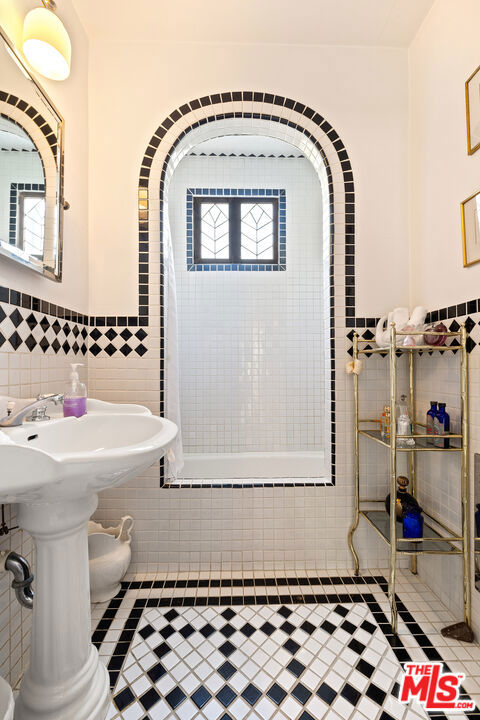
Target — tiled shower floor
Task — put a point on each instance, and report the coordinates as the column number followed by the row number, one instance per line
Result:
column 278, row 647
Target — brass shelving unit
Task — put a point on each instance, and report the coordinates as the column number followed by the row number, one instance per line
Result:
column 437, row 539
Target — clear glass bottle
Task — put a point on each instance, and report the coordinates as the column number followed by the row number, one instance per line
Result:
column 385, row 423
column 404, row 423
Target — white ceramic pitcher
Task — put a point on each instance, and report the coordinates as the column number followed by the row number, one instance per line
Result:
column 110, row 554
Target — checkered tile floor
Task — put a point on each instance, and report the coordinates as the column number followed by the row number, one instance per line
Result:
column 230, row 656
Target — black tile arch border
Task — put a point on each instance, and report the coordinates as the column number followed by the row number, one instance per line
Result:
column 277, row 591
column 273, row 103
column 34, row 115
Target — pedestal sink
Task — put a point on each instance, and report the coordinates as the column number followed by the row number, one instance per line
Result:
column 54, row 470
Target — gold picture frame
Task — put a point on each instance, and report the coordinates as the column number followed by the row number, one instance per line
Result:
column 472, row 101
column 470, row 210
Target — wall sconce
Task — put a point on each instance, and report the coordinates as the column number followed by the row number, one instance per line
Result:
column 46, row 43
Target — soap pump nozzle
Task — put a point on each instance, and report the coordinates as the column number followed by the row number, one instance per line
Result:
column 74, row 376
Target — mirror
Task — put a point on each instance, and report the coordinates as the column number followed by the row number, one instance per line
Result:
column 31, row 169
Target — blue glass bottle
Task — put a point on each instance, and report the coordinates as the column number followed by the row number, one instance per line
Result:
column 413, row 522
column 430, row 420
column 441, row 426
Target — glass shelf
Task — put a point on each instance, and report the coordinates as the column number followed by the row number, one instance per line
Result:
column 402, row 350
column 420, row 442
column 380, row 520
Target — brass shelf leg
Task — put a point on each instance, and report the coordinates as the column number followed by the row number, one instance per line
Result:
column 393, row 478
column 411, row 389
column 463, row 630
column 356, row 515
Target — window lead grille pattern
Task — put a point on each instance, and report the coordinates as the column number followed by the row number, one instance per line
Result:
column 257, row 231
column 215, row 225
column 254, row 221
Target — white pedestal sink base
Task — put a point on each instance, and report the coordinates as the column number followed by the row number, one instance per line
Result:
column 65, row 679
column 87, row 698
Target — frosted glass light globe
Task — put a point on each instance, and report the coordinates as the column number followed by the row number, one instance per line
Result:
column 46, row 44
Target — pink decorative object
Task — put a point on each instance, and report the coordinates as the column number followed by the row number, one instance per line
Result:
column 435, row 340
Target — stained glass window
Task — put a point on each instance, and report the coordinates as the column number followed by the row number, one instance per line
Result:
column 236, row 230
column 214, row 231
column 257, row 231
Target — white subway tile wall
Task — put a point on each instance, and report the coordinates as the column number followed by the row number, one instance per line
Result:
column 251, row 344
column 439, row 475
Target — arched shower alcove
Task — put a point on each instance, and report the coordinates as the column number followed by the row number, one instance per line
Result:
column 298, row 125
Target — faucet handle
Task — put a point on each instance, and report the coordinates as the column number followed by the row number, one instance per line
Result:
column 38, row 414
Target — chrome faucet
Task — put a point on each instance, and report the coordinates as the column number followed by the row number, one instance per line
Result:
column 35, row 411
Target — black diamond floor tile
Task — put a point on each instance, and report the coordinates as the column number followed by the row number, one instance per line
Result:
column 295, row 667
column 350, row 694
column 175, row 697
column 251, row 694
column 226, row 696
column 301, row 693
column 227, row 648
column 156, row 672
column 149, row 699
column 267, row 628
column 200, row 697
column 124, row 698
column 226, row 670
column 326, row 693
column 277, row 693
column 291, row 646
column 287, row 627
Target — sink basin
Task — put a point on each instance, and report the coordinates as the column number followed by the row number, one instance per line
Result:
column 94, row 406
column 72, row 456
column 54, row 470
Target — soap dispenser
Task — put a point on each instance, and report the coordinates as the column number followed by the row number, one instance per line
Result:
column 75, row 401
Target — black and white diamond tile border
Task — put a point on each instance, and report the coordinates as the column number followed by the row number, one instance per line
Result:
column 25, row 330
column 119, row 341
column 28, row 330
column 289, row 648
column 472, row 325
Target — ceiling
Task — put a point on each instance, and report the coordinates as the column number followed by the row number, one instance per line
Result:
column 305, row 22
column 245, row 145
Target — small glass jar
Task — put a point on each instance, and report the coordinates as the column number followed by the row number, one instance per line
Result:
column 413, row 523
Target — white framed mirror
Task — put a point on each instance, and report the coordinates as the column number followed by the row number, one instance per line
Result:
column 31, row 169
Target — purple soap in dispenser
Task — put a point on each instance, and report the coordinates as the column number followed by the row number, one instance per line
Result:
column 75, row 400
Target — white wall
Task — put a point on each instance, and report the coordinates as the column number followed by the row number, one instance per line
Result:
column 71, row 98
column 442, row 56
column 251, row 347
column 362, row 92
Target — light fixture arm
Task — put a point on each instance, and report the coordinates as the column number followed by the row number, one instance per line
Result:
column 50, row 5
